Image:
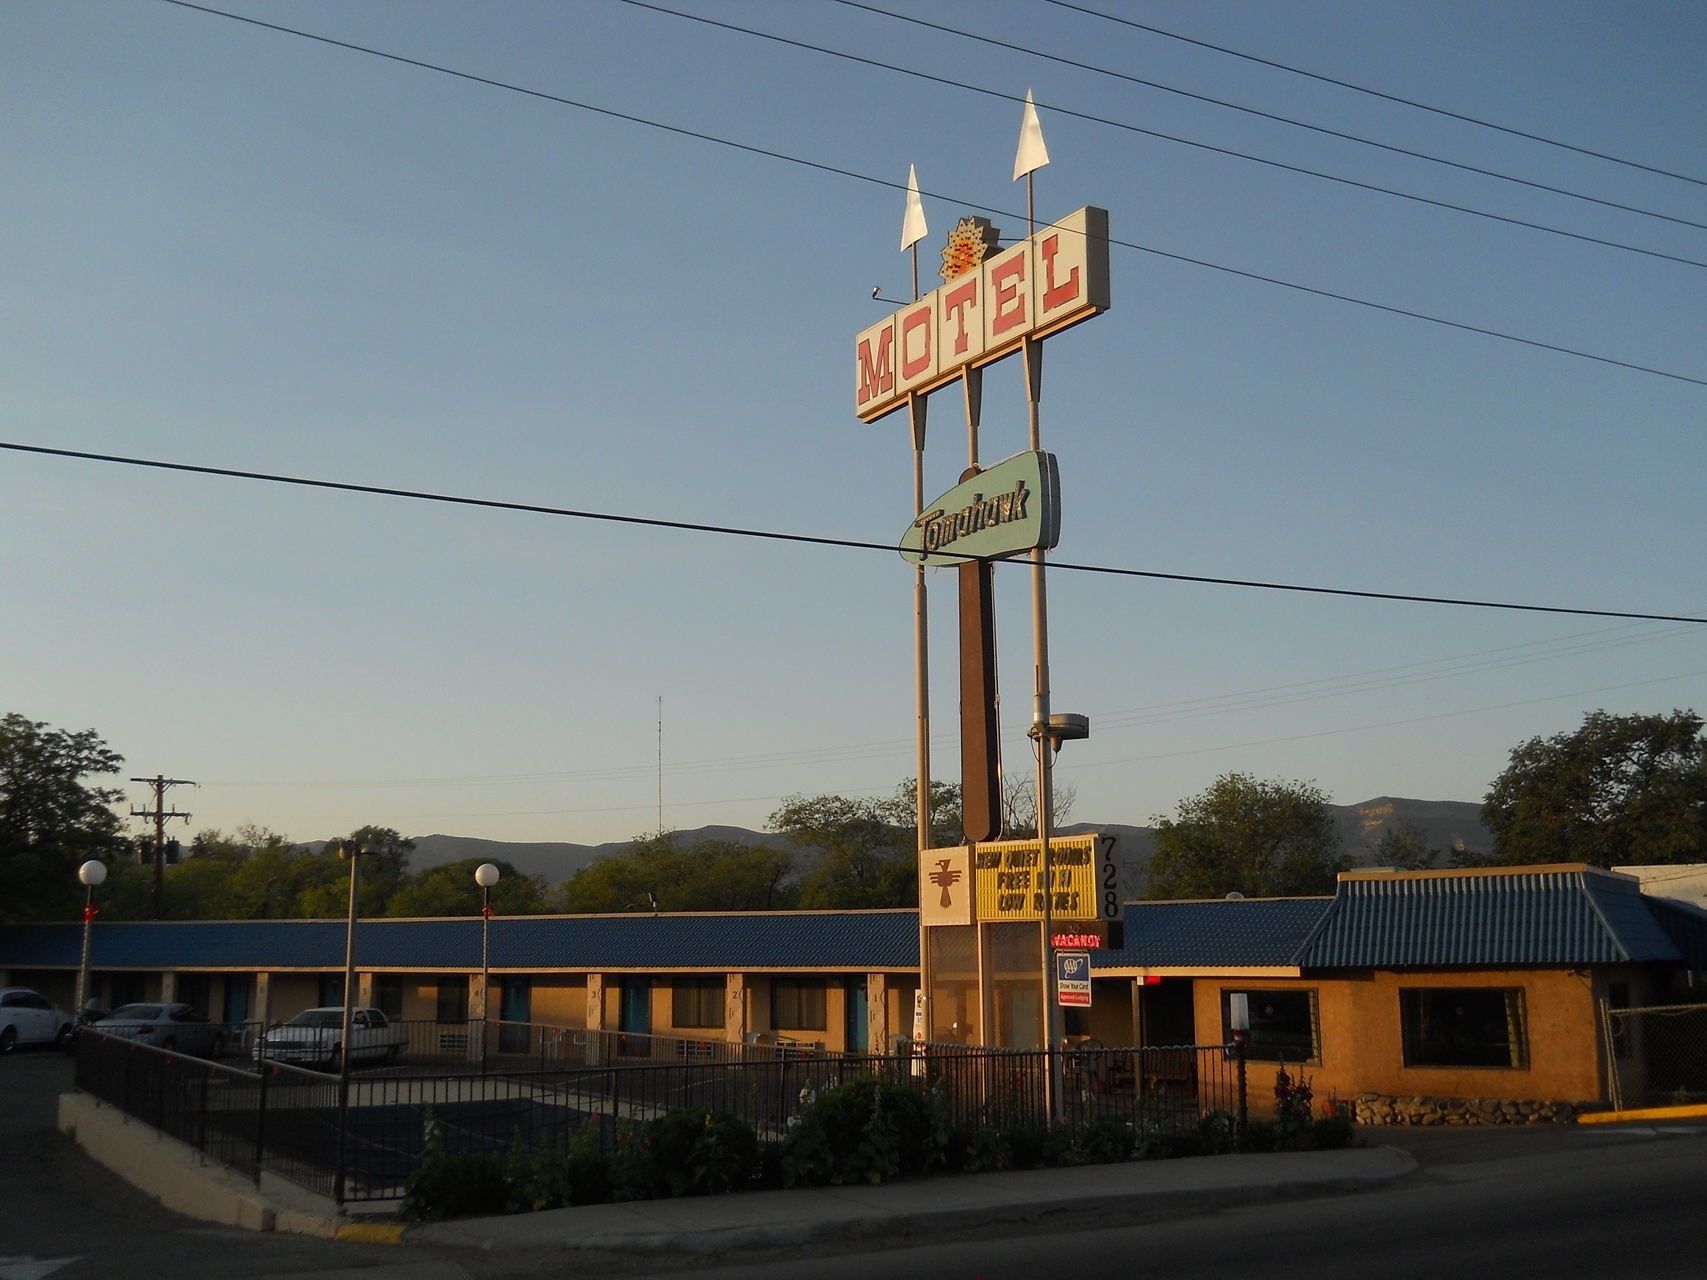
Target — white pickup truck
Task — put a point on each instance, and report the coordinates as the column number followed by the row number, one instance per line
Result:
column 315, row 1038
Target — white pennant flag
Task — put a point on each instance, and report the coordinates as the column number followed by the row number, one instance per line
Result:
column 913, row 227
column 1032, row 153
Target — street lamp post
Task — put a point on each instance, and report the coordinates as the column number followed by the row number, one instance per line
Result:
column 91, row 873
column 1239, row 1016
column 486, row 875
column 352, row 850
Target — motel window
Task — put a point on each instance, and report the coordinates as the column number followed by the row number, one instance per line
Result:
column 388, row 994
column 797, row 1004
column 1463, row 1026
column 453, row 1000
column 697, row 1001
column 1283, row 1025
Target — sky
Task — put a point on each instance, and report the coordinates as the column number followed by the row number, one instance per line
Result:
column 229, row 246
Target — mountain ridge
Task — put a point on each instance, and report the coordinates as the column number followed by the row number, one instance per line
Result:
column 1446, row 825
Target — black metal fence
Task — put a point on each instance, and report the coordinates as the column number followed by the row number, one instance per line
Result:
column 284, row 1119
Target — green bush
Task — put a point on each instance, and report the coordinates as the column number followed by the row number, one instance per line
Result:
column 865, row 1131
column 1105, row 1141
column 974, row 1150
column 1332, row 1132
column 588, row 1170
column 1030, row 1148
column 455, row 1187
column 633, row 1171
column 700, row 1152
column 536, row 1179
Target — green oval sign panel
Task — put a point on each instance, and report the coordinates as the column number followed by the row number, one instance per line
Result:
column 1013, row 507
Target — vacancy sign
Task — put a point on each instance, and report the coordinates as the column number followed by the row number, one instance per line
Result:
column 1041, row 285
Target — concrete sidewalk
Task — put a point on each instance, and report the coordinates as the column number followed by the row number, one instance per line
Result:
column 924, row 1209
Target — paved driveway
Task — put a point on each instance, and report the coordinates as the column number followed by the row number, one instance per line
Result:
column 56, row 1203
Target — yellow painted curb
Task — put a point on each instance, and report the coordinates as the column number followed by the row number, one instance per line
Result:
column 1696, row 1112
column 372, row 1232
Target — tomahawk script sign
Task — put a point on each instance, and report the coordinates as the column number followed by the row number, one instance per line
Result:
column 1041, row 285
column 1008, row 509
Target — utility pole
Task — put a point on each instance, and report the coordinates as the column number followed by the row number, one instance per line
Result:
column 160, row 813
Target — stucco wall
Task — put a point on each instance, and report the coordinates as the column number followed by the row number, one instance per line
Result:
column 1362, row 1049
column 291, row 993
column 560, row 1000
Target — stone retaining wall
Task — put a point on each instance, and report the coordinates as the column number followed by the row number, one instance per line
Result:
column 1376, row 1108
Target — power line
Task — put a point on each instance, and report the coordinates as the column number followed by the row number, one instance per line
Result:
column 1128, row 127
column 1247, row 110
column 820, row 166
column 1376, row 93
column 1244, row 701
column 854, row 544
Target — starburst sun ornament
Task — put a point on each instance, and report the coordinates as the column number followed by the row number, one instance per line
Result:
column 969, row 243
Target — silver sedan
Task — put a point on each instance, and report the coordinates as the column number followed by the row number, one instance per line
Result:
column 180, row 1028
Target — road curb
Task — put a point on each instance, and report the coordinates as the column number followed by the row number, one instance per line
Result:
column 1695, row 1111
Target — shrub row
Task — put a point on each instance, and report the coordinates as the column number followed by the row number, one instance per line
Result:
column 866, row 1131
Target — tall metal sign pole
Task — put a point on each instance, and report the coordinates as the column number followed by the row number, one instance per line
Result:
column 1032, row 156
column 353, row 850
column 913, row 230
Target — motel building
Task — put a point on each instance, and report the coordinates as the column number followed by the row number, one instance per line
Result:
column 1472, row 984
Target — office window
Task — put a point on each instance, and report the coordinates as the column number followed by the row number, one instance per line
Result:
column 1283, row 1025
column 697, row 1001
column 1463, row 1026
column 797, row 1004
column 453, row 1000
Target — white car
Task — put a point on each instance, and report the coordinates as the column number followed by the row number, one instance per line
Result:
column 314, row 1038
column 28, row 1017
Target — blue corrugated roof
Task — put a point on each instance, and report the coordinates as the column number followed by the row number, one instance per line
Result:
column 781, row 940
column 1562, row 916
column 1215, row 933
column 1686, row 926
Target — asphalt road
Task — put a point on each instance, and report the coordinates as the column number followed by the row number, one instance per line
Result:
column 1560, row 1202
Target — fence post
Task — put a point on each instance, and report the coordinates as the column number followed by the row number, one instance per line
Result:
column 1244, row 1108
column 201, row 1130
column 261, row 1121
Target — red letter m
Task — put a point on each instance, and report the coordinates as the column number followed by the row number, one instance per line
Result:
column 876, row 375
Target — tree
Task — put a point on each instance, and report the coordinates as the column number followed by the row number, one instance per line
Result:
column 450, row 890
column 1261, row 839
column 51, row 820
column 1019, row 805
column 385, row 868
column 1619, row 790
column 659, row 873
column 1406, row 848
column 864, row 851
